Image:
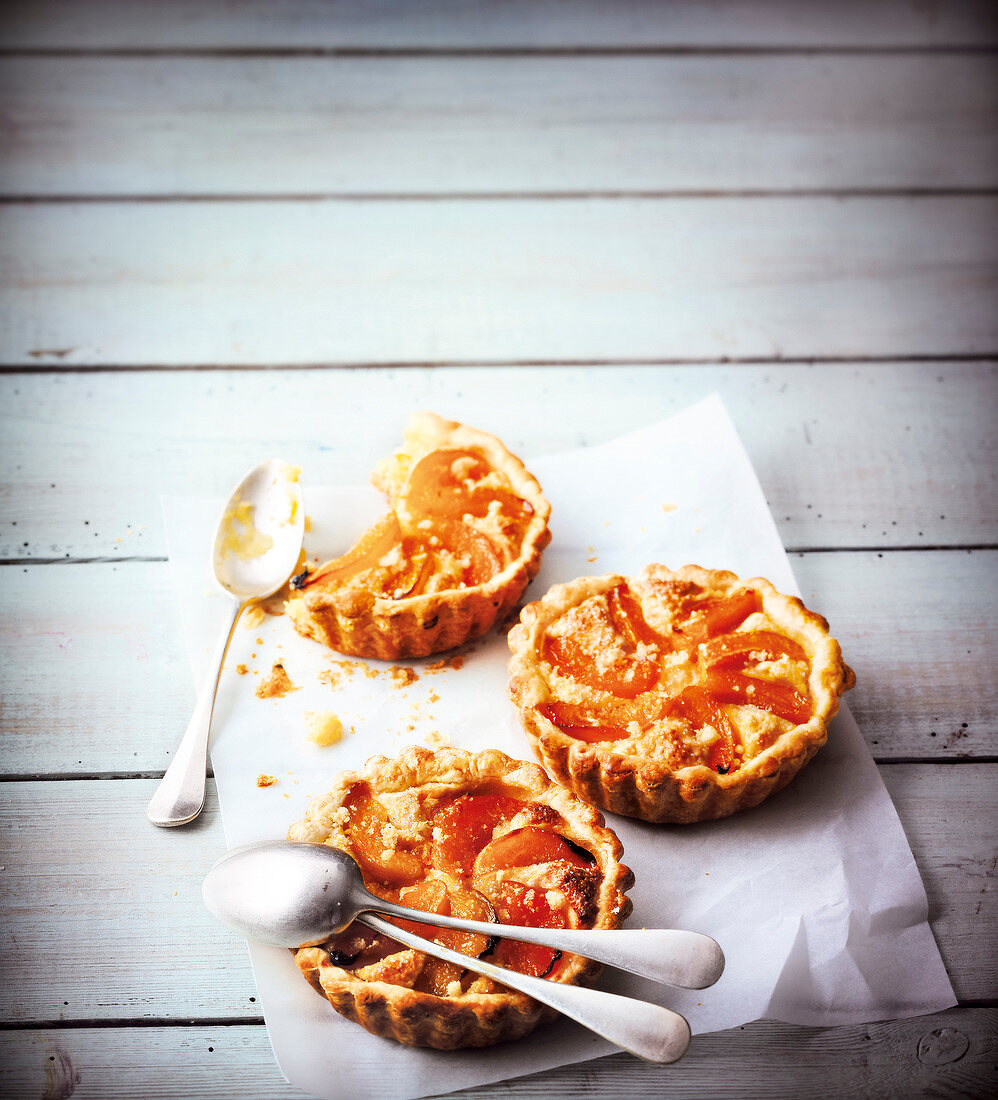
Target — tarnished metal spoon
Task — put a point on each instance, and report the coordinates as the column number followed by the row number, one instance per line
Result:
column 294, row 895
column 257, row 545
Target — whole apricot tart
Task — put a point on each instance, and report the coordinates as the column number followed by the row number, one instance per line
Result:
column 473, row 835
column 674, row 696
column 463, row 539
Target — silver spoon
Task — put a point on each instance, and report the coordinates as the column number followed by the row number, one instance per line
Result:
column 257, row 545
column 293, row 895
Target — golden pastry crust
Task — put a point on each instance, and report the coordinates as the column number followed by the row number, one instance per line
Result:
column 475, row 566
column 661, row 724
column 427, row 811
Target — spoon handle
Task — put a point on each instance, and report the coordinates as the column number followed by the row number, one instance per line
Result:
column 690, row 960
column 180, row 794
column 647, row 1030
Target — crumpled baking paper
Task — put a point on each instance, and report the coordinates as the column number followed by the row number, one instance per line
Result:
column 814, row 896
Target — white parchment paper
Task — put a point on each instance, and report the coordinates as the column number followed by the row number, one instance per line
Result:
column 814, row 896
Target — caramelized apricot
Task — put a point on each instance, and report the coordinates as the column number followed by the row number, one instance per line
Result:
column 463, row 827
column 377, row 541
column 441, row 483
column 754, row 645
column 699, row 707
column 627, row 676
column 582, row 724
column 778, row 699
column 483, row 557
column 380, row 852
column 519, row 904
column 718, row 615
column 524, row 848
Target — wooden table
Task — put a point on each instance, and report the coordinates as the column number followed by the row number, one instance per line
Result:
column 236, row 229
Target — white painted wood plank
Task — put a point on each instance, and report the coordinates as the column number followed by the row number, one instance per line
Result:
column 883, row 1059
column 848, row 455
column 493, row 281
column 115, row 692
column 182, row 125
column 373, row 24
column 106, row 922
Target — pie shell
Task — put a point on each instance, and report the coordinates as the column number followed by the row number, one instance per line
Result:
column 624, row 783
column 351, row 621
column 470, row 1019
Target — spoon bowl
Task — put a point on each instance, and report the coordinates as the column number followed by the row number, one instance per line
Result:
column 257, row 545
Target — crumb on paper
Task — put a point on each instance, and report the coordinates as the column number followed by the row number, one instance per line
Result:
column 323, row 727
column 436, row 740
column 402, row 676
column 265, row 780
column 444, row 663
column 276, row 685
column 252, row 616
column 669, row 506
column 242, row 669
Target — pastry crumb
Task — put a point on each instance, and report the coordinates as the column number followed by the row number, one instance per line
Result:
column 669, row 506
column 241, row 670
column 252, row 616
column 265, row 780
column 436, row 740
column 276, row 685
column 402, row 676
column 324, row 727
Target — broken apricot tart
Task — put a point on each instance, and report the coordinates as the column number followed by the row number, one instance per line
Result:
column 462, row 541
column 674, row 696
column 472, row 835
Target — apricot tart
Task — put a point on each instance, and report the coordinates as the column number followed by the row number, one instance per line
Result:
column 674, row 696
column 462, row 541
column 473, row 835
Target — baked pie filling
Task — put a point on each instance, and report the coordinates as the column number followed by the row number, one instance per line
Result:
column 462, row 540
column 674, row 695
column 479, row 836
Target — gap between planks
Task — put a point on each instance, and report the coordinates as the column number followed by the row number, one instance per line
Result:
column 502, row 196
column 374, row 52
column 114, row 776
column 893, row 359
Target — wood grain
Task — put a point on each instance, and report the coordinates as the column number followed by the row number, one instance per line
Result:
column 497, row 281
column 115, row 891
column 110, row 635
column 849, row 455
column 387, row 24
column 484, row 125
column 901, row 1058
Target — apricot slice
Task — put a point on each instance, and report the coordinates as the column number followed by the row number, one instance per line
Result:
column 444, row 484
column 519, row 904
column 699, row 707
column 778, row 699
column 484, row 559
column 377, row 541
column 463, row 827
column 748, row 645
column 524, row 848
column 442, row 481
column 626, row 677
column 719, row 615
column 629, row 618
column 433, row 896
column 581, row 725
column 376, row 844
